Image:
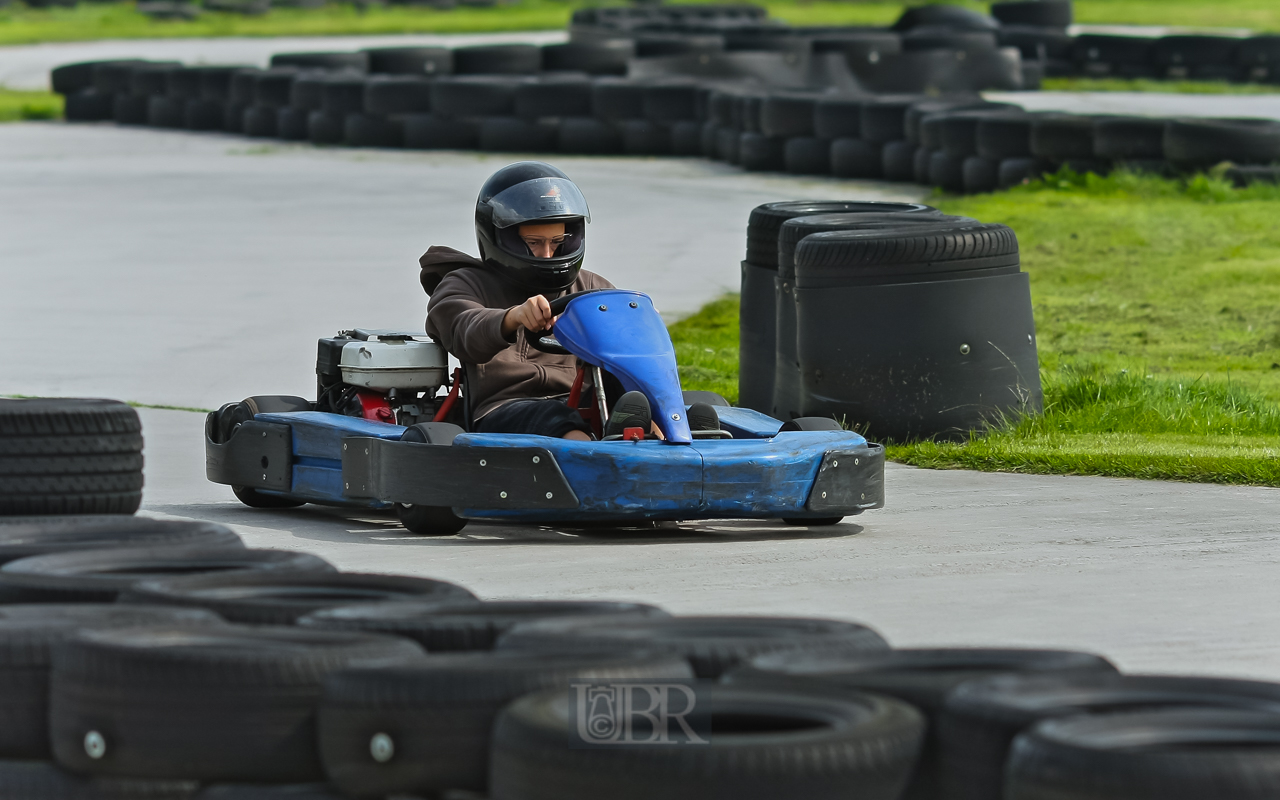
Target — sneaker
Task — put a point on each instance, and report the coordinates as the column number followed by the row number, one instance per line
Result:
column 703, row 417
column 631, row 411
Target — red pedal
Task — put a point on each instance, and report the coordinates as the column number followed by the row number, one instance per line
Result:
column 633, row 434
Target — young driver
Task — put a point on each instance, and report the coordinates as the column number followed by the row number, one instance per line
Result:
column 531, row 227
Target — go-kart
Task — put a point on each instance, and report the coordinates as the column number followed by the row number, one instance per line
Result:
column 389, row 428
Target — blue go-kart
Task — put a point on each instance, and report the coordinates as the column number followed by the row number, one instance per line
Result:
column 389, row 429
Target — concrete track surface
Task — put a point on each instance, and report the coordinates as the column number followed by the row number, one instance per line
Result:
column 195, row 269
column 1160, row 577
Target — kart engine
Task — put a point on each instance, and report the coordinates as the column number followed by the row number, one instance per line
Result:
column 381, row 375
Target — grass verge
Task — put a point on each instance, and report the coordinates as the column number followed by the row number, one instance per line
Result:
column 1157, row 307
column 1145, row 85
column 21, row 25
column 15, row 105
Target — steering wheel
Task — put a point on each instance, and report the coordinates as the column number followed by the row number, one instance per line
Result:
column 545, row 341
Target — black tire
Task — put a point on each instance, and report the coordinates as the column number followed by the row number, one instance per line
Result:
column 924, row 678
column 1103, row 54
column 88, row 105
column 28, row 634
column 757, row 152
column 69, row 456
column 553, row 97
column 358, row 62
column 837, row 258
column 766, row 221
column 397, row 94
column 588, row 136
column 915, row 114
column 343, row 94
column 306, row 92
column 184, row 84
column 24, row 537
column 273, row 88
column 950, row 16
column 810, row 424
column 114, row 77
column 1247, row 176
column 920, row 165
column 291, row 124
column 1206, row 142
column 713, row 645
column 280, row 599
column 233, row 118
column 959, row 131
column 203, row 115
column 1061, row 137
column 686, row 138
column 371, row 130
column 670, row 102
column 166, row 112
column 729, row 145
column 1125, row 138
column 1182, row 55
column 655, row 45
column 428, row 726
column 788, row 114
column 982, row 718
column 497, row 59
column 815, row 522
column 769, row 744
column 1049, row 13
column 261, row 121
column 897, row 161
column 710, row 398
column 435, row 132
column 417, row 61
column 130, row 109
column 884, row 118
column 464, row 625
column 100, row 576
column 1001, row 136
column 474, row 95
column 122, row 701
column 1037, row 43
column 42, row 780
column 1153, row 755
column 980, row 175
column 805, row 155
column 946, row 171
column 1016, row 171
column 429, row 520
column 216, row 83
column 71, row 78
column 838, row 118
column 243, row 83
column 325, row 128
column 640, row 137
column 255, row 499
column 151, row 78
column 794, row 230
column 940, row 37
column 617, row 99
column 594, row 58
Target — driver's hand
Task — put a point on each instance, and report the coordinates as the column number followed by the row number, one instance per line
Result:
column 533, row 314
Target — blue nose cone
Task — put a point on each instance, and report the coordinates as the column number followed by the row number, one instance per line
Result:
column 621, row 332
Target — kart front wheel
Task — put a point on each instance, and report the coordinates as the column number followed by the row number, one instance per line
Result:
column 813, row 523
column 255, row 499
column 429, row 520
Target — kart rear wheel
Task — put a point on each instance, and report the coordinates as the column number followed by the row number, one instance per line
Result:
column 813, row 523
column 255, row 499
column 429, row 520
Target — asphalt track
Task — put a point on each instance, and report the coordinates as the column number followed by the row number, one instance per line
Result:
column 188, row 269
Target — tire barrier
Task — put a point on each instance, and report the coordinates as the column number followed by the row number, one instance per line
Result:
column 495, row 98
column 950, row 346
column 121, row 700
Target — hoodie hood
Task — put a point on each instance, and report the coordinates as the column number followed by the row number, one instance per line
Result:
column 440, row 261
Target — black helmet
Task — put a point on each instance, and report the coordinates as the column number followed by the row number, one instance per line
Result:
column 524, row 192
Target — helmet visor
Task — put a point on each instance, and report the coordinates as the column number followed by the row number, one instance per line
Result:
column 538, row 199
column 535, row 246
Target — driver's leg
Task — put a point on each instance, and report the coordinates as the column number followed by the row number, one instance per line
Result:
column 541, row 417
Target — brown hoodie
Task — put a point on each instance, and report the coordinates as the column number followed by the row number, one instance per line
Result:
column 468, row 302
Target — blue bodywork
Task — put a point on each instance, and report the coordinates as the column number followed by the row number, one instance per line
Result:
column 761, row 472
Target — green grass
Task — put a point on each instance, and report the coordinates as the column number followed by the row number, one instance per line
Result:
column 707, row 348
column 1145, row 85
column 20, row 25
column 15, row 105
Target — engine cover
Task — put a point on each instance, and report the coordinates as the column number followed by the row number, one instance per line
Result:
column 395, row 361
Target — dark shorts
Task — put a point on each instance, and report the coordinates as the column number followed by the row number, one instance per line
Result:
column 547, row 417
